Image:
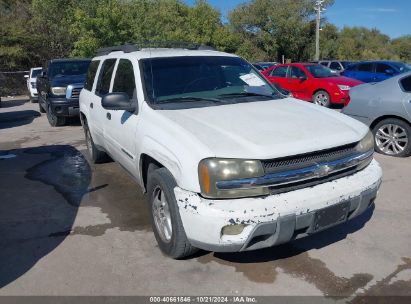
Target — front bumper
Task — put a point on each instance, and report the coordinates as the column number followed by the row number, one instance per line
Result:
column 64, row 106
column 340, row 97
column 274, row 219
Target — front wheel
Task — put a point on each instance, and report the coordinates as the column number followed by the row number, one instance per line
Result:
column 166, row 222
column 322, row 98
column 55, row 121
column 392, row 137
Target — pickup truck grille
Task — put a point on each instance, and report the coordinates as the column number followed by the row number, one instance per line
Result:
column 308, row 159
column 75, row 93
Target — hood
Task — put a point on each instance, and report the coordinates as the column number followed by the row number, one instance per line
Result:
column 62, row 81
column 343, row 80
column 267, row 129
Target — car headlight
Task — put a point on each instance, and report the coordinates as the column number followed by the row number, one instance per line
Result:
column 214, row 170
column 58, row 91
column 344, row 87
column 366, row 144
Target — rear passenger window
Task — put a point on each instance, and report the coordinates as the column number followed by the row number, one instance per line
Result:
column 124, row 80
column 365, row 67
column 104, row 79
column 91, row 74
column 279, row 72
column 382, row 68
column 406, row 84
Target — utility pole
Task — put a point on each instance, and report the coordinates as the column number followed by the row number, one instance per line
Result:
column 319, row 9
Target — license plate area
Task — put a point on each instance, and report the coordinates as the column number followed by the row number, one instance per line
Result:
column 330, row 216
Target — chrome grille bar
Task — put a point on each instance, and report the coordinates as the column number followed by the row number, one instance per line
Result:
column 317, row 171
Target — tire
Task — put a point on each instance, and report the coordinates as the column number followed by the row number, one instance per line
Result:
column 393, row 137
column 55, row 121
column 41, row 109
column 160, row 193
column 97, row 156
column 322, row 98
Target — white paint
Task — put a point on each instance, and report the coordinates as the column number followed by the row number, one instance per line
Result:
column 7, row 156
column 203, row 218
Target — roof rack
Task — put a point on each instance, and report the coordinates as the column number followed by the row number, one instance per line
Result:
column 128, row 48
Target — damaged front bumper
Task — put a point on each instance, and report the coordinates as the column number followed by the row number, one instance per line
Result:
column 276, row 219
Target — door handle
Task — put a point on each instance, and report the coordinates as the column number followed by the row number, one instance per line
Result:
column 91, row 105
column 108, row 115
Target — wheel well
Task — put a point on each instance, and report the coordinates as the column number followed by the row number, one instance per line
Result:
column 145, row 162
column 379, row 119
column 315, row 92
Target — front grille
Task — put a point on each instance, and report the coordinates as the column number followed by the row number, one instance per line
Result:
column 75, row 93
column 307, row 159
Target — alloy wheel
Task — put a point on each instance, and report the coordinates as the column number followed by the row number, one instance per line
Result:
column 391, row 139
column 161, row 215
column 321, row 99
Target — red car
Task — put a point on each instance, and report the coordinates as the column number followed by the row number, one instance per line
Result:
column 312, row 82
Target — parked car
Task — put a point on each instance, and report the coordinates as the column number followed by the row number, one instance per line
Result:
column 59, row 87
column 226, row 162
column 385, row 107
column 375, row 71
column 312, row 82
column 31, row 79
column 336, row 66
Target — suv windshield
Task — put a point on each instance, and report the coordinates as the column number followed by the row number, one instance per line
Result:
column 319, row 71
column 215, row 79
column 65, row 68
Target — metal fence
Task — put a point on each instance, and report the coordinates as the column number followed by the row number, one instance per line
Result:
column 13, row 83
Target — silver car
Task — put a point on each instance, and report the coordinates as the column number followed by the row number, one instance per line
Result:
column 386, row 108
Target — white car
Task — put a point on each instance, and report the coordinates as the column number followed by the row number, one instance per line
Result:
column 227, row 162
column 32, row 84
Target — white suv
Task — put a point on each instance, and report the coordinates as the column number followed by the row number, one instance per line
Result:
column 227, row 162
column 31, row 80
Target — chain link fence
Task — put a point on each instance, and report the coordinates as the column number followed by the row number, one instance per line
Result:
column 13, row 83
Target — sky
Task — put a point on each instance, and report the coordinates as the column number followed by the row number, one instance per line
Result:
column 391, row 17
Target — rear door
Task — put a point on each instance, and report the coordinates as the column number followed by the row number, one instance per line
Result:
column 120, row 126
column 97, row 112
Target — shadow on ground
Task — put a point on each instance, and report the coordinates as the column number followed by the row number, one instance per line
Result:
column 12, row 103
column 17, row 118
column 40, row 192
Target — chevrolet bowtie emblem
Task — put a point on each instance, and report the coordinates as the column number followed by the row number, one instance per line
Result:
column 322, row 170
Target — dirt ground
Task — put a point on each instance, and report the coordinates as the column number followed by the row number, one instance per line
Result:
column 68, row 227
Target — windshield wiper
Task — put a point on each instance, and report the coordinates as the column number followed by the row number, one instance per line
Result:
column 244, row 94
column 188, row 99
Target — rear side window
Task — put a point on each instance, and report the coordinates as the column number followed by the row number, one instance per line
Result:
column 104, row 79
column 406, row 84
column 91, row 74
column 124, row 81
column 279, row 72
column 365, row 67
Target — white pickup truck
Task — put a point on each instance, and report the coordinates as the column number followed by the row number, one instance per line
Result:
column 226, row 161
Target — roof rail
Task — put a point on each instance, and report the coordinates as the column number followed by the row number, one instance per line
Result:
column 128, row 48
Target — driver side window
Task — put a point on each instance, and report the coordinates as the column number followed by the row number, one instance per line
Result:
column 124, row 81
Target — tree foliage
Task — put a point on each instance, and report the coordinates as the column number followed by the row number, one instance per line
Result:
column 33, row 31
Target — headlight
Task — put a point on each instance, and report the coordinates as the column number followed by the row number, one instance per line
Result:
column 214, row 170
column 344, row 87
column 366, row 144
column 58, row 91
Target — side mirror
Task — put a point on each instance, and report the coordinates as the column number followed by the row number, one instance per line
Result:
column 118, row 101
column 43, row 74
column 303, row 78
column 26, row 76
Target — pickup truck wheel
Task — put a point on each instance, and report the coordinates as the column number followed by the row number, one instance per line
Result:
column 41, row 109
column 55, row 121
column 96, row 155
column 322, row 98
column 393, row 137
column 167, row 226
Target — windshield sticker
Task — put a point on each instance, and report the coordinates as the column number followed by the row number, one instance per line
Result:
column 252, row 80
